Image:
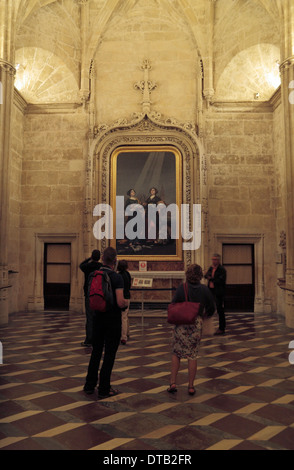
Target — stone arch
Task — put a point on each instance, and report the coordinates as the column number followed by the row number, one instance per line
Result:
column 54, row 27
column 27, row 7
column 42, row 77
column 253, row 70
column 146, row 129
column 117, row 11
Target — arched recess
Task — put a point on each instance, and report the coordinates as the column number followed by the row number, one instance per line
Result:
column 43, row 77
column 147, row 129
column 253, row 70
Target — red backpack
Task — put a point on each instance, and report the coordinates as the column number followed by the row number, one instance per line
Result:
column 100, row 291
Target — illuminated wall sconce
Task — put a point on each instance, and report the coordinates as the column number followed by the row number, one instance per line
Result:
column 21, row 78
column 19, row 67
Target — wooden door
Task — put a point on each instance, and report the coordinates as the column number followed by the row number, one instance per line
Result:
column 238, row 259
column 57, row 264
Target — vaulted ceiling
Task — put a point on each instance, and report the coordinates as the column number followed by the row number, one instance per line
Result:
column 237, row 40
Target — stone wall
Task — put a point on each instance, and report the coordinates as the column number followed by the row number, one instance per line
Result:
column 280, row 182
column 53, row 183
column 15, row 176
column 146, row 32
column 241, row 195
column 69, row 52
column 242, row 154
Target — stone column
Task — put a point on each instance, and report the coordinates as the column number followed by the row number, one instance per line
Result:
column 208, row 85
column 287, row 82
column 84, row 85
column 7, row 72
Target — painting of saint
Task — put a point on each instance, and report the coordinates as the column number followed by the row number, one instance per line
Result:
column 149, row 180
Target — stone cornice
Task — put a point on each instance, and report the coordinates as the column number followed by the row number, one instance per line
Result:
column 276, row 98
column 249, row 106
column 19, row 101
column 52, row 108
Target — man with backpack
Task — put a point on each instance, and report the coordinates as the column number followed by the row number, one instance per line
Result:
column 106, row 330
column 88, row 266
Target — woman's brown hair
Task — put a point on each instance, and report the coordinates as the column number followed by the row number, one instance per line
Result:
column 194, row 274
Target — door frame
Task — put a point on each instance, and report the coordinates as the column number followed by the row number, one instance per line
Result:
column 36, row 298
column 244, row 288
column 65, row 291
column 261, row 304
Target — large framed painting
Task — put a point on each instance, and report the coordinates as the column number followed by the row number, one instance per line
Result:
column 146, row 196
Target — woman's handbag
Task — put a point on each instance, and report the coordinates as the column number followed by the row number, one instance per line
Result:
column 183, row 313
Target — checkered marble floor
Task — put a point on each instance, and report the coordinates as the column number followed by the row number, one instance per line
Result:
column 244, row 399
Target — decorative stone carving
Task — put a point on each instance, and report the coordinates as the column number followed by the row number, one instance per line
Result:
column 146, row 86
column 282, row 280
column 286, row 64
column 145, row 129
column 282, row 243
column 9, row 68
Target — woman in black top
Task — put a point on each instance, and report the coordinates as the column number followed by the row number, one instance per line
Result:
column 122, row 270
column 186, row 338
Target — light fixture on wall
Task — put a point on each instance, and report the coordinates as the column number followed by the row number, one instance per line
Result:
column 19, row 67
column 273, row 77
column 21, row 78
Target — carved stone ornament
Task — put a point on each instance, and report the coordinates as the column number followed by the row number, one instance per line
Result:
column 286, row 64
column 282, row 243
column 154, row 116
column 146, row 86
column 142, row 129
column 9, row 68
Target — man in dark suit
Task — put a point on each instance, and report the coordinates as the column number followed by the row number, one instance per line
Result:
column 88, row 266
column 216, row 276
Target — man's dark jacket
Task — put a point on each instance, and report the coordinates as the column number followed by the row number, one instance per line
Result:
column 88, row 267
column 219, row 280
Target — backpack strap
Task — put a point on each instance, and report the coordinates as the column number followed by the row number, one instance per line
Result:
column 106, row 269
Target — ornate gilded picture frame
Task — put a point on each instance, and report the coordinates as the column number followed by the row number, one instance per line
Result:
column 146, row 199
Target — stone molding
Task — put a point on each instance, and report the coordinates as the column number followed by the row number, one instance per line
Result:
column 143, row 129
column 36, row 299
column 8, row 67
column 261, row 303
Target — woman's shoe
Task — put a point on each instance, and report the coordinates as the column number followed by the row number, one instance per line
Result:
column 172, row 388
column 219, row 332
column 112, row 393
column 88, row 391
column 191, row 390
